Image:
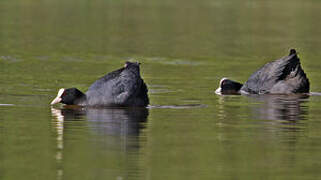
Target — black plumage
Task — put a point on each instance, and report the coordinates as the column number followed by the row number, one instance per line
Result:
column 282, row 76
column 122, row 87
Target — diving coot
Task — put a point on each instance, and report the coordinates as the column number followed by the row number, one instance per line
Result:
column 123, row 87
column 282, row 76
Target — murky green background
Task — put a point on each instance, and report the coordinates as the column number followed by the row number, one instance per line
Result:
column 185, row 47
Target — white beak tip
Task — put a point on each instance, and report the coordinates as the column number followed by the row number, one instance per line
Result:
column 58, row 98
column 218, row 91
column 55, row 101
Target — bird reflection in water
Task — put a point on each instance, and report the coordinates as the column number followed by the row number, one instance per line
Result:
column 275, row 118
column 282, row 109
column 117, row 127
column 282, row 118
column 289, row 108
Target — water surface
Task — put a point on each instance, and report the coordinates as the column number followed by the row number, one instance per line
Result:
column 185, row 48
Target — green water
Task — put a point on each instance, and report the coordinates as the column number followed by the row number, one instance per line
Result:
column 185, row 48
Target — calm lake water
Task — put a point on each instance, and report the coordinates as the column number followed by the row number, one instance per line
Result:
column 185, row 48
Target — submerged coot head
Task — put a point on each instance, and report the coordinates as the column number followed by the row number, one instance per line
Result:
column 228, row 86
column 71, row 96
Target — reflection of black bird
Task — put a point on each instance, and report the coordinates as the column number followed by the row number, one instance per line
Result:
column 282, row 76
column 112, row 121
column 282, row 107
column 69, row 114
column 115, row 131
column 123, row 87
column 117, row 121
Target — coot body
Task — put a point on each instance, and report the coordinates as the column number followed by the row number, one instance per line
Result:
column 282, row 76
column 123, row 87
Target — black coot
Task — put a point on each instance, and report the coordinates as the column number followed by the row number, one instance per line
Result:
column 123, row 87
column 282, row 76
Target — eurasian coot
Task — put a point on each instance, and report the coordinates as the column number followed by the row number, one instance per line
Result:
column 282, row 76
column 123, row 87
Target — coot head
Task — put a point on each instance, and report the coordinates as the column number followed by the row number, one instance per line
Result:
column 71, row 96
column 228, row 86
